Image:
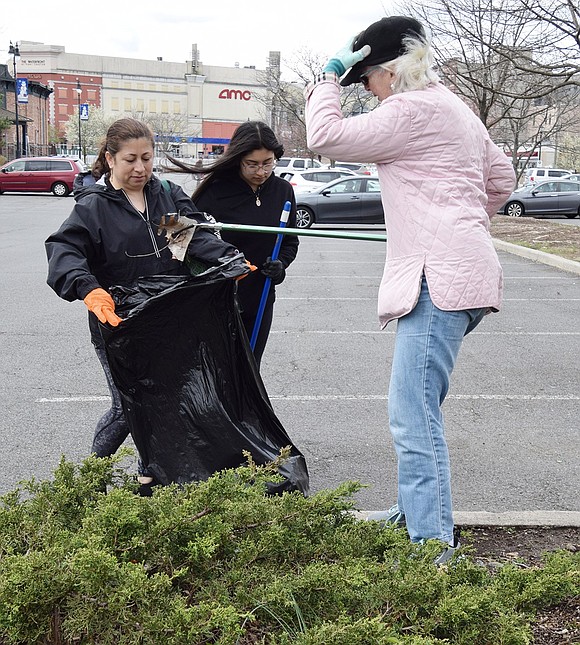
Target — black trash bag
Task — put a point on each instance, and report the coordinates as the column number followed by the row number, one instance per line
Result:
column 191, row 391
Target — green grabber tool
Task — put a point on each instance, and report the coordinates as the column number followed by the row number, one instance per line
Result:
column 174, row 224
column 306, row 232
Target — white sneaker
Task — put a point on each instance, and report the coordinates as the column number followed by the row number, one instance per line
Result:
column 391, row 517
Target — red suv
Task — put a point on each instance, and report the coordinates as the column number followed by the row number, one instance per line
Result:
column 40, row 175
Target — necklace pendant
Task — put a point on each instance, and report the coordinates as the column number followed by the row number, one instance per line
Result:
column 258, row 202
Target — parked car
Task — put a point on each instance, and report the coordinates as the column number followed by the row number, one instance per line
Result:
column 306, row 180
column 536, row 175
column 359, row 168
column 350, row 200
column 555, row 197
column 288, row 164
column 572, row 177
column 40, row 175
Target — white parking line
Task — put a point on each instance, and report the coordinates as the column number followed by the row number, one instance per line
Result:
column 352, row 397
column 307, row 298
column 73, row 399
column 457, row 397
column 374, row 277
column 339, row 299
column 473, row 333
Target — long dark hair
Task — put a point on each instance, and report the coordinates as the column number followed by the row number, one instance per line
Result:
column 118, row 133
column 249, row 136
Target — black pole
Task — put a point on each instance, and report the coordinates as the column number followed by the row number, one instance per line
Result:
column 79, row 90
column 15, row 51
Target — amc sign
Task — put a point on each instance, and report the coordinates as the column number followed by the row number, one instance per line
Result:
column 226, row 93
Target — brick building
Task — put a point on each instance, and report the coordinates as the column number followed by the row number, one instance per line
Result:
column 192, row 106
column 32, row 117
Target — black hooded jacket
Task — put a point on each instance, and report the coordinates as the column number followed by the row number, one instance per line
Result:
column 231, row 200
column 105, row 241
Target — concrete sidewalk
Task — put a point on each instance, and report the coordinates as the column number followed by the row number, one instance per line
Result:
column 511, row 518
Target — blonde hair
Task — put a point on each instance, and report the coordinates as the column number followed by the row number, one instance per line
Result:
column 414, row 69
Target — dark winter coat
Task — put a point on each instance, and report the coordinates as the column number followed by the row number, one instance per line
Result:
column 105, row 241
column 231, row 200
column 85, row 178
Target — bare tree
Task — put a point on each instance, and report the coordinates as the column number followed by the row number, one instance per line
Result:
column 493, row 54
column 553, row 29
column 569, row 153
column 169, row 129
column 93, row 131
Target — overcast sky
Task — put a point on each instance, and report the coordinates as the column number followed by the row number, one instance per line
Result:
column 226, row 31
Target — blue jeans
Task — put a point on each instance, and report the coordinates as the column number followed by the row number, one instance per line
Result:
column 427, row 343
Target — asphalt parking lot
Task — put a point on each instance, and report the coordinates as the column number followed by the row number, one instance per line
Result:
column 512, row 415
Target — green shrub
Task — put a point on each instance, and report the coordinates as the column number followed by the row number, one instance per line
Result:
column 221, row 562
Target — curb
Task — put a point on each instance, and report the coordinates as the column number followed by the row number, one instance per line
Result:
column 510, row 518
column 538, row 256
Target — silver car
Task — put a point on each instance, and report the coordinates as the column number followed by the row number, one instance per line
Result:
column 553, row 197
column 350, row 200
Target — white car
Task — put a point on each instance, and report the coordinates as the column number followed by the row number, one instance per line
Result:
column 359, row 168
column 537, row 175
column 307, row 180
column 290, row 164
column 572, row 177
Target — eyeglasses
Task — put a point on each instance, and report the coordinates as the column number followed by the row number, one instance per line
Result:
column 364, row 78
column 253, row 167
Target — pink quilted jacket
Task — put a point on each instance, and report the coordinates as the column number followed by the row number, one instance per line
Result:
column 442, row 179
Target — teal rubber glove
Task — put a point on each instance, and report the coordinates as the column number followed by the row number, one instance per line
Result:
column 345, row 58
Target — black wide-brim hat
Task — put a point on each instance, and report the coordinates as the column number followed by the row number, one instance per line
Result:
column 385, row 38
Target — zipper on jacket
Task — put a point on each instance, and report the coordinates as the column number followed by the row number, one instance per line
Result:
column 146, row 220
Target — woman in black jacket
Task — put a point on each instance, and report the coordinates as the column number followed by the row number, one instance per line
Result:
column 240, row 188
column 110, row 238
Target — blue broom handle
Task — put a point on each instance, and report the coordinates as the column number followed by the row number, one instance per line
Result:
column 262, row 306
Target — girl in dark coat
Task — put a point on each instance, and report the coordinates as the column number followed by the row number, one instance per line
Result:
column 240, row 188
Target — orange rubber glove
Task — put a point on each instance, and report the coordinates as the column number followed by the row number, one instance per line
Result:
column 101, row 304
column 252, row 268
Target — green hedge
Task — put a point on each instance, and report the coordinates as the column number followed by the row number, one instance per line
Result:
column 220, row 562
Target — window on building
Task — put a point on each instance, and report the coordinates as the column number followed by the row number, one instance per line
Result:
column 153, row 106
column 115, row 104
column 176, row 107
column 165, row 107
column 140, row 105
column 127, row 105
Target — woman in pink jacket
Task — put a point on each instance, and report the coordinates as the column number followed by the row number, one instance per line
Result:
column 442, row 179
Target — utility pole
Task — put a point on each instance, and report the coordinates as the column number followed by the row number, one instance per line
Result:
column 15, row 51
column 79, row 90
